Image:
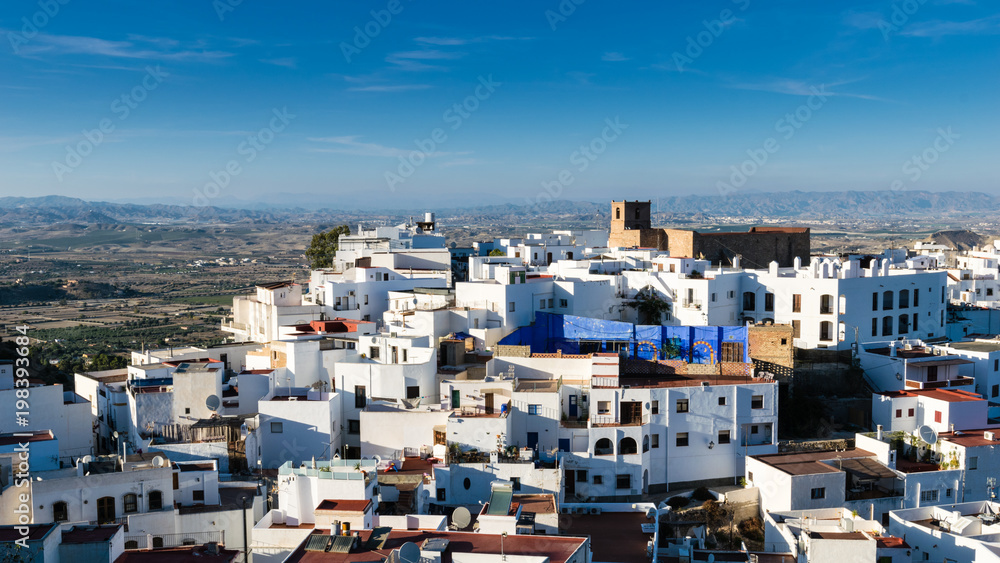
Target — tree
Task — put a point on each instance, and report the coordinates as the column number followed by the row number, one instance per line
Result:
column 497, row 252
column 324, row 246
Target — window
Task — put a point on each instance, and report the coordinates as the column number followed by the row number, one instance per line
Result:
column 603, row 407
column 654, row 407
column 826, row 330
column 373, row 352
column 187, row 410
column 904, row 324
column 909, row 413
column 682, row 405
column 442, row 494
column 563, row 303
column 754, row 428
column 796, row 302
column 914, row 324
column 973, row 463
column 277, row 427
column 904, row 299
column 198, row 495
column 731, row 352
column 916, row 297
column 366, row 299
column 516, row 483
column 749, row 301
column 59, row 512
column 947, row 493
column 404, row 355
column 723, row 436
column 768, row 302
column 818, row 493
column 886, row 326
column 875, row 301
column 826, row 305
column 730, row 294
column 874, row 326
column 541, row 303
column 618, row 213
column 360, row 396
column 722, row 401
column 654, row 440
column 581, row 475
column 932, row 373
column 937, row 416
column 996, row 365
column 467, row 483
column 130, row 503
column 796, row 329
column 757, row 402
column 598, row 479
column 899, row 413
column 995, row 392
column 413, row 392
column 682, row 439
column 510, row 307
column 713, row 295
column 176, row 482
column 354, row 426
column 887, row 301
column 155, row 500
column 929, row 496
column 534, row 409
column 623, row 481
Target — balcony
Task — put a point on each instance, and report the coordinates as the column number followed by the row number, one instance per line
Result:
column 691, row 304
column 347, row 307
column 599, row 420
column 960, row 381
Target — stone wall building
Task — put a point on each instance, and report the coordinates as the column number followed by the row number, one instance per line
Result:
column 631, row 226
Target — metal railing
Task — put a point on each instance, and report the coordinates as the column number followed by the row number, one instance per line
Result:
column 173, row 540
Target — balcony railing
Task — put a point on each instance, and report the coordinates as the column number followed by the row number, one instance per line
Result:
column 611, row 420
column 174, row 540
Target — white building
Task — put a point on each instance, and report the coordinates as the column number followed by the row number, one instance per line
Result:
column 960, row 532
column 297, row 424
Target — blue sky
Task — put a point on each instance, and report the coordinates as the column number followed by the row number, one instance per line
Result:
column 493, row 101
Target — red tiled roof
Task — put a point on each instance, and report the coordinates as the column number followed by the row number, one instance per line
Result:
column 892, row 542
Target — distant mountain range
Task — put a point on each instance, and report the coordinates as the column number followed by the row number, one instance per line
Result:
column 795, row 204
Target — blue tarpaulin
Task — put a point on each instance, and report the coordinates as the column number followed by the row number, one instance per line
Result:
column 580, row 335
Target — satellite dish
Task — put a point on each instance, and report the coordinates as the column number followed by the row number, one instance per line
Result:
column 115, row 434
column 461, row 518
column 158, row 461
column 378, row 459
column 927, row 434
column 409, row 552
column 213, row 402
column 87, row 459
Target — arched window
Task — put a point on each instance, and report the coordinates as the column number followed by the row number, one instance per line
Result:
column 886, row 326
column 645, row 444
column 131, row 544
column 618, row 213
column 130, row 503
column 887, row 301
column 604, row 446
column 105, row 510
column 59, row 512
column 637, row 213
column 826, row 330
column 155, row 501
column 904, row 324
column 157, row 542
column 826, row 305
column 627, row 446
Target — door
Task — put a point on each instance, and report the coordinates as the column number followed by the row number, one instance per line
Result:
column 569, row 482
column 573, row 411
column 631, row 412
column 105, row 510
column 489, row 403
column 548, row 258
column 564, row 444
column 532, row 440
column 456, row 396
